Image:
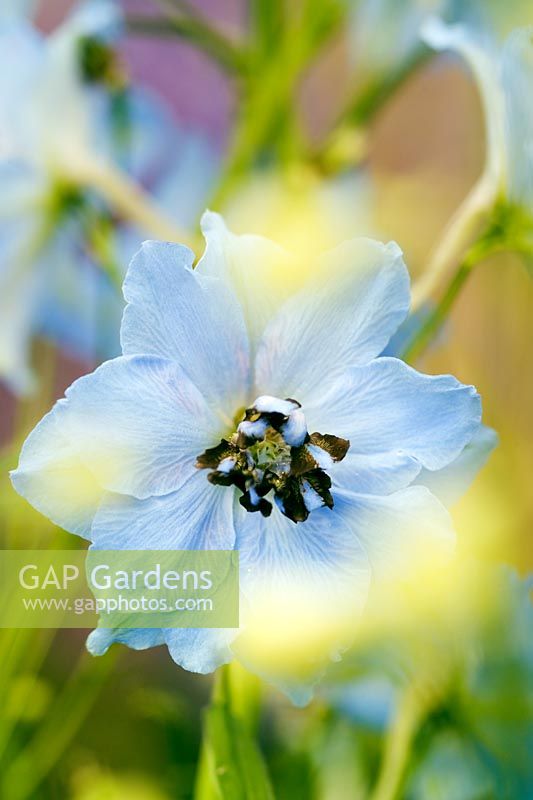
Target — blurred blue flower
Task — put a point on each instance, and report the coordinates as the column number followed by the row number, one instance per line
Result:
column 386, row 33
column 15, row 9
column 504, row 75
column 69, row 101
column 187, row 441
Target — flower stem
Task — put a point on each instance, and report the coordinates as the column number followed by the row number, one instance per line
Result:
column 268, row 125
column 130, row 201
column 436, row 319
column 366, row 103
column 398, row 746
column 231, row 764
column 462, row 230
column 348, row 137
column 195, row 30
column 419, row 699
column 486, row 246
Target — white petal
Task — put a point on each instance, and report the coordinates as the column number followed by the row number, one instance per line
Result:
column 200, row 650
column 254, row 266
column 54, row 479
column 101, row 639
column 452, row 481
column 517, row 75
column 336, row 323
column 484, row 62
column 388, row 407
column 192, row 319
column 401, row 533
column 316, row 558
column 136, row 426
column 199, row 516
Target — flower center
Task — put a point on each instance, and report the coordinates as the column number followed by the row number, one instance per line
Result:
column 272, row 453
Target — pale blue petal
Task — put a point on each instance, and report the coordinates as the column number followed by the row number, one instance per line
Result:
column 300, row 694
column 100, row 18
column 303, row 587
column 449, row 483
column 17, row 308
column 19, row 303
column 198, row 516
column 321, row 553
column 23, row 46
column 255, row 267
column 16, row 9
column 57, row 114
column 200, row 649
column 399, row 531
column 101, row 639
column 79, row 307
column 189, row 318
column 145, row 419
column 517, row 76
column 20, row 282
column 136, row 425
column 189, row 178
column 334, row 324
column 300, row 691
column 395, row 418
column 52, row 477
column 146, row 139
column 483, row 59
column 375, row 473
column 195, row 649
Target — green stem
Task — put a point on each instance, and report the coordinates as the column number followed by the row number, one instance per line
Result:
column 361, row 109
column 197, row 32
column 424, row 693
column 422, row 338
column 230, row 763
column 284, row 41
column 436, row 319
column 367, row 102
column 398, row 745
column 463, row 229
column 126, row 198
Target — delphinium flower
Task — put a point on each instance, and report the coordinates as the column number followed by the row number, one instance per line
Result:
column 386, row 33
column 504, row 75
column 303, row 211
column 44, row 125
column 491, row 17
column 390, row 41
column 250, row 413
column 497, row 213
column 68, row 109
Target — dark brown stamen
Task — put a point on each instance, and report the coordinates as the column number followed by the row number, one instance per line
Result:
column 258, row 460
